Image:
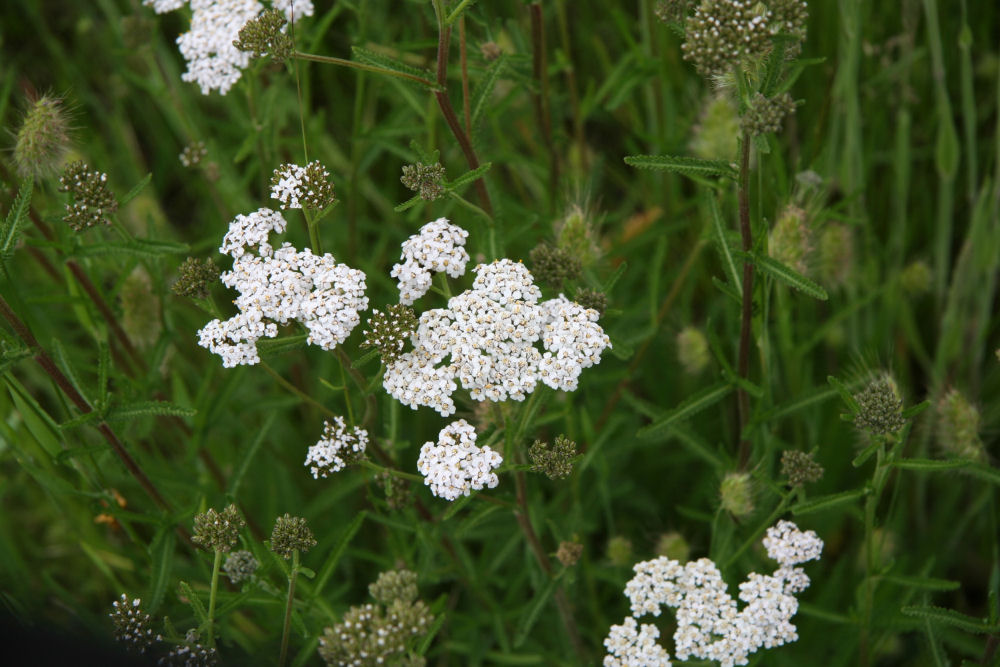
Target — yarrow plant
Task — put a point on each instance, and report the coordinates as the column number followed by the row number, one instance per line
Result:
column 338, row 448
column 438, row 247
column 281, row 285
column 709, row 624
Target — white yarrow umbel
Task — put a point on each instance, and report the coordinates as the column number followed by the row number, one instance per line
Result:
column 276, row 286
column 486, row 339
column 437, row 247
column 454, row 466
column 338, row 447
column 709, row 624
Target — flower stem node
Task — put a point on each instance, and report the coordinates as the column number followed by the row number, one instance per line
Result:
column 291, row 534
column 218, row 531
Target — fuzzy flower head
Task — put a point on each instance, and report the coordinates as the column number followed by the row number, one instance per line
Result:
column 291, row 534
column 305, row 187
column 437, row 247
column 488, row 335
column 240, row 566
column 43, row 137
column 338, row 448
column 218, row 531
column 132, row 624
column 709, row 623
column 454, row 466
column 93, row 201
column 958, row 427
column 281, row 285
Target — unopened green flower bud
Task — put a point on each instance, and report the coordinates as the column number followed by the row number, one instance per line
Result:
column 620, row 550
column 555, row 461
column 424, row 179
column 388, row 331
column 766, row 114
column 553, row 265
column 291, row 534
column 265, row 36
column 958, row 427
column 673, row 546
column 800, row 467
column 716, row 135
column 218, row 531
column 194, row 277
column 692, row 350
column 42, row 139
column 836, row 254
column 240, row 566
column 736, row 494
column 394, row 585
column 93, row 202
column 591, row 298
column 569, row 553
column 916, row 278
column 140, row 308
column 880, row 409
column 790, row 241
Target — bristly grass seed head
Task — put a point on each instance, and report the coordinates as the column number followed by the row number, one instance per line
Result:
column 958, row 427
column 43, row 139
column 736, row 494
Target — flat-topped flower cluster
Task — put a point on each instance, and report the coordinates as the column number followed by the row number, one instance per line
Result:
column 709, row 625
column 486, row 337
column 438, row 247
column 214, row 63
column 281, row 285
column 454, row 465
column 339, row 447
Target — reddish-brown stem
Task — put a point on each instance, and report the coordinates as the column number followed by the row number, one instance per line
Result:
column 448, row 111
column 743, row 368
column 49, row 366
column 466, row 108
column 541, row 95
column 562, row 602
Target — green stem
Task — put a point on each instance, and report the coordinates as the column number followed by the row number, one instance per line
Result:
column 370, row 465
column 286, row 630
column 212, row 596
column 295, row 390
column 331, row 60
column 743, row 399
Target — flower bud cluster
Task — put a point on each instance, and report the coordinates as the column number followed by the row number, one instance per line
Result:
column 194, row 277
column 424, row 179
column 93, row 202
column 305, row 187
column 193, row 153
column 556, row 460
column 553, row 265
column 281, row 285
column 338, row 448
column 291, row 534
column 265, row 36
column 454, row 465
column 240, row 566
column 800, row 467
column 192, row 653
column 388, row 332
column 709, row 624
column 394, row 585
column 132, row 624
column 765, row 114
column 438, row 246
column 722, row 34
column 880, row 410
column 218, row 531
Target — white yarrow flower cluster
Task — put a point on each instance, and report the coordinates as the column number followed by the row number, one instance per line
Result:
column 709, row 624
column 488, row 335
column 338, row 447
column 437, row 247
column 213, row 62
column 628, row 647
column 281, row 285
column 454, row 465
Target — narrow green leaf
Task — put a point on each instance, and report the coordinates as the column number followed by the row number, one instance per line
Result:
column 331, row 561
column 774, row 66
column 538, row 603
column 408, row 204
column 134, row 192
column 139, row 248
column 66, row 455
column 469, row 176
column 824, row 503
column 931, row 464
column 866, row 454
column 719, row 236
column 914, row 410
column 696, row 403
column 942, row 616
column 16, row 216
column 844, row 392
column 248, row 456
column 484, row 90
column 381, row 60
column 946, row 150
column 787, row 275
column 161, row 552
column 147, row 408
column 273, row 347
column 614, row 278
column 925, row 583
column 455, row 507
column 686, row 166
column 188, row 595
column 364, row 358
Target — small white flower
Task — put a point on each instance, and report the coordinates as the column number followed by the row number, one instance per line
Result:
column 454, row 466
column 338, row 447
column 437, row 247
column 629, row 648
column 788, row 545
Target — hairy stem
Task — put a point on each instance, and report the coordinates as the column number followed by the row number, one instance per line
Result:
column 332, row 60
column 287, row 628
column 466, row 109
column 743, row 368
column 212, row 596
